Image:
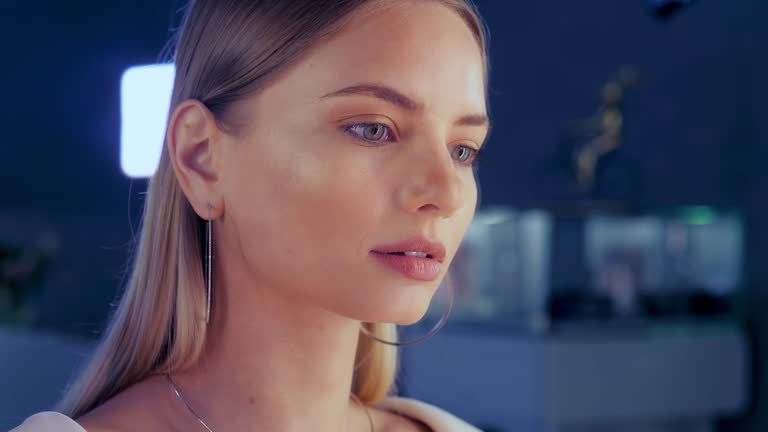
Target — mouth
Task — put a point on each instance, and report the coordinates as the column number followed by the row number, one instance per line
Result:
column 416, row 247
column 414, row 265
column 413, row 254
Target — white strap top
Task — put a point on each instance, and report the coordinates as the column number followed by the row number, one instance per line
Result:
column 48, row 421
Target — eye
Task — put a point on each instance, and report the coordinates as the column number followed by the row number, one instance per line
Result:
column 466, row 155
column 372, row 132
column 378, row 132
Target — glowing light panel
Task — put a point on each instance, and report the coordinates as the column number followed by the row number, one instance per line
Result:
column 145, row 98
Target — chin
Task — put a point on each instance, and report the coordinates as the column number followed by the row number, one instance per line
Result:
column 402, row 305
column 409, row 310
column 411, row 317
column 404, row 313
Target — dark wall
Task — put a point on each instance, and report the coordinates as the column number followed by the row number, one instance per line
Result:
column 59, row 168
column 692, row 125
column 696, row 125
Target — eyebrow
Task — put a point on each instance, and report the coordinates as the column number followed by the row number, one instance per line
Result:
column 396, row 98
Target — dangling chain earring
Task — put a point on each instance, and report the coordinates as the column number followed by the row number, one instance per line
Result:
column 209, row 268
column 435, row 329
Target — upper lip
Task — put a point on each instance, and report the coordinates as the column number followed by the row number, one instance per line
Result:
column 415, row 244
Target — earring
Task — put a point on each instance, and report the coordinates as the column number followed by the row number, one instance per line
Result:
column 435, row 329
column 209, row 268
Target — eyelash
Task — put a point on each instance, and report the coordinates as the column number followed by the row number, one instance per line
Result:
column 473, row 161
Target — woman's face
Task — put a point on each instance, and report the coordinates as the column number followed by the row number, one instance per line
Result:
column 314, row 182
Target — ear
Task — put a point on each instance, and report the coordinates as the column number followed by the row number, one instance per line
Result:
column 192, row 138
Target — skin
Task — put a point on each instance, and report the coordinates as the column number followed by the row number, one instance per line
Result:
column 299, row 203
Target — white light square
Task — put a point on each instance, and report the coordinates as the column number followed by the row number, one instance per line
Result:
column 145, row 98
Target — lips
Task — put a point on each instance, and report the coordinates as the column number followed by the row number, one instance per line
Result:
column 434, row 250
column 413, row 267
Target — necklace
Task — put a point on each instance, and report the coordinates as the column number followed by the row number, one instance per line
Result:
column 208, row 428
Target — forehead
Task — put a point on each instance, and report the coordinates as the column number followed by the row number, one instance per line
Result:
column 424, row 49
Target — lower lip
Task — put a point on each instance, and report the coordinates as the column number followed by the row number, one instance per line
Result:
column 423, row 269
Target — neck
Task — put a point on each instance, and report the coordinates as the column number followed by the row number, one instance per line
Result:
column 273, row 364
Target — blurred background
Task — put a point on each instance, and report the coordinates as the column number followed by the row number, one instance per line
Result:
column 615, row 277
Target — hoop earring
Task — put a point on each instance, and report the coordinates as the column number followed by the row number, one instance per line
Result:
column 432, row 332
column 209, row 268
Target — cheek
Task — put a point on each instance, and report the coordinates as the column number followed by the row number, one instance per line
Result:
column 304, row 219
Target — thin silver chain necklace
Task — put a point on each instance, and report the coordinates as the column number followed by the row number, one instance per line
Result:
column 208, row 428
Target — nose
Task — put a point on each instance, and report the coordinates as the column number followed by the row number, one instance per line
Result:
column 433, row 181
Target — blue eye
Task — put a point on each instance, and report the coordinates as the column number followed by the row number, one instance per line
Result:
column 371, row 132
column 469, row 156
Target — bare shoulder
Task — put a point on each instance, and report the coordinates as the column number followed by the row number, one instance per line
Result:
column 138, row 407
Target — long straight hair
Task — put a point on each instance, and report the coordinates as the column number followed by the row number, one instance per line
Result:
column 224, row 51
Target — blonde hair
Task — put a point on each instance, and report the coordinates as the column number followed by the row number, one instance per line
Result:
column 224, row 50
